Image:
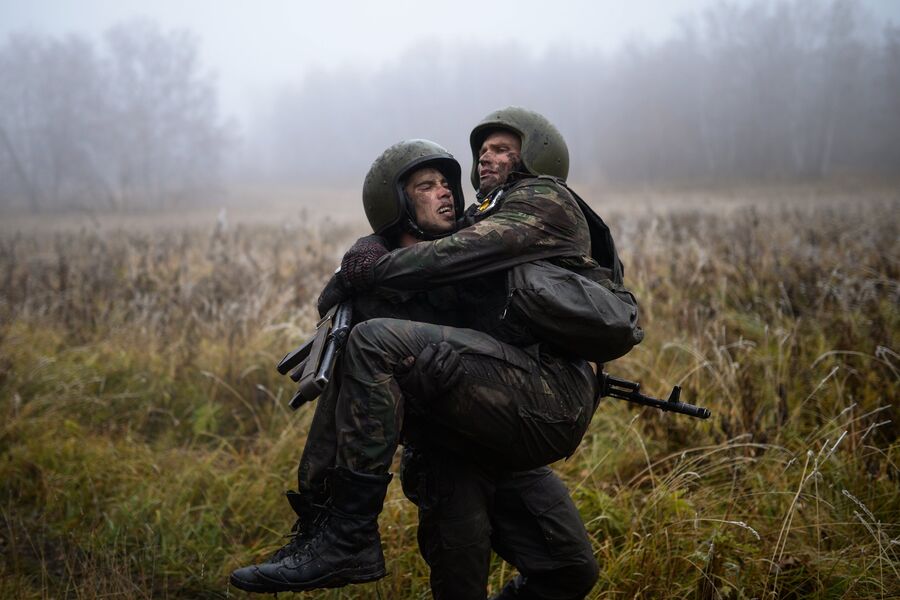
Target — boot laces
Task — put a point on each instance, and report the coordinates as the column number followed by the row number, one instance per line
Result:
column 288, row 549
column 300, row 535
column 303, row 546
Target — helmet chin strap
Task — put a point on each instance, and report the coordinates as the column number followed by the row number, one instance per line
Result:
column 419, row 233
column 518, row 172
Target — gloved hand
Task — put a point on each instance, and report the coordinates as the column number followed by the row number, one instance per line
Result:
column 434, row 373
column 335, row 292
column 358, row 264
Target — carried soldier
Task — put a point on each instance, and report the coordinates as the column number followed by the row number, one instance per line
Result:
column 446, row 355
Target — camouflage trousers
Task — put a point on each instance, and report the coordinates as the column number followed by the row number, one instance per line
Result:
column 514, row 408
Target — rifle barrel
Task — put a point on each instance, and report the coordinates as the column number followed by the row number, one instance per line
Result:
column 630, row 391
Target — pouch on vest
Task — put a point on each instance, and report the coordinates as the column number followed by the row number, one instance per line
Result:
column 573, row 313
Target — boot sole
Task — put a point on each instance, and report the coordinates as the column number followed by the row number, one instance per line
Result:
column 250, row 586
column 332, row 580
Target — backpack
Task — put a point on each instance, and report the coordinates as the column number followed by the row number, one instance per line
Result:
column 573, row 314
column 587, row 313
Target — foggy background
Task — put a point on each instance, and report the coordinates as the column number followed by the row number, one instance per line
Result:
column 145, row 108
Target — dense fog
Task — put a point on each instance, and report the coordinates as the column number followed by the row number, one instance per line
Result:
column 127, row 121
column 768, row 91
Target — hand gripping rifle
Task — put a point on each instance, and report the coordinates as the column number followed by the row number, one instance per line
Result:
column 630, row 390
column 312, row 363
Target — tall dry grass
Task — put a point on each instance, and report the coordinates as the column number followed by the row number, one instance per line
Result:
column 145, row 438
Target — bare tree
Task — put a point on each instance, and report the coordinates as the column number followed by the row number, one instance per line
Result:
column 134, row 124
column 790, row 88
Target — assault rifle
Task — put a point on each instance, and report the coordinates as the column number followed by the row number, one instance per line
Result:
column 631, row 391
column 312, row 364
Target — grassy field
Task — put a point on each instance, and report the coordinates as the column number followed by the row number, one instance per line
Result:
column 145, row 438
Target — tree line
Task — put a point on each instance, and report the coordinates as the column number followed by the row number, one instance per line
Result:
column 131, row 122
column 769, row 90
column 789, row 89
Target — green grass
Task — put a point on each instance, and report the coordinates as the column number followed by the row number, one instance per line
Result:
column 145, row 439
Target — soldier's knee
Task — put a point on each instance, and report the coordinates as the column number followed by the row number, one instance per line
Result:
column 366, row 331
column 575, row 581
column 368, row 337
column 387, row 333
column 584, row 576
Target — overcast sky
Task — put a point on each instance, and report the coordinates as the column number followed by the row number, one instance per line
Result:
column 256, row 46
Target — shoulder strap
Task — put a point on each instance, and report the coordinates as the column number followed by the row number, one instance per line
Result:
column 603, row 248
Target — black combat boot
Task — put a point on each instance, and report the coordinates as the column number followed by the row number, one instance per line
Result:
column 310, row 515
column 345, row 548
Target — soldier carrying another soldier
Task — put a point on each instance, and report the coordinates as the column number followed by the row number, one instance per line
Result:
column 484, row 387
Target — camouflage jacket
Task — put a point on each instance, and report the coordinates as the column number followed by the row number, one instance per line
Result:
column 462, row 277
column 531, row 219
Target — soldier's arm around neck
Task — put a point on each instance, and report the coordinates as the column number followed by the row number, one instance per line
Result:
column 537, row 219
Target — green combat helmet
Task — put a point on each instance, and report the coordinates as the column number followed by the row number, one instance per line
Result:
column 386, row 204
column 544, row 151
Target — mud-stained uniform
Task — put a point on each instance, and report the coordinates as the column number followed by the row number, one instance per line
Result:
column 465, row 508
column 518, row 406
